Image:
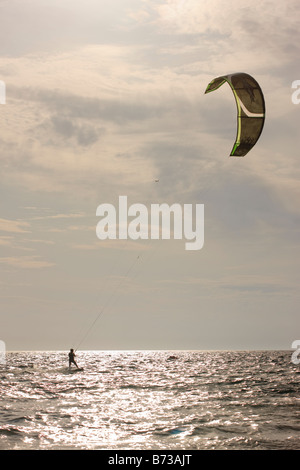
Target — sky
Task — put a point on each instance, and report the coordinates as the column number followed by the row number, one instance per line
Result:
column 103, row 98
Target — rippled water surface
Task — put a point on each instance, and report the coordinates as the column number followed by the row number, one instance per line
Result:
column 150, row 400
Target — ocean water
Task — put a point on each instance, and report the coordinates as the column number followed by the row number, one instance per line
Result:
column 145, row 400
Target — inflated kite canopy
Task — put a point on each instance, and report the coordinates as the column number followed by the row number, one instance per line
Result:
column 250, row 107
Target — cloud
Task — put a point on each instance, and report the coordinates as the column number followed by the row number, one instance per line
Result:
column 94, row 246
column 144, row 103
column 6, row 241
column 59, row 216
column 215, row 40
column 68, row 131
column 238, row 283
column 118, row 109
column 14, row 226
column 46, row 242
column 26, row 262
column 105, row 97
column 62, row 25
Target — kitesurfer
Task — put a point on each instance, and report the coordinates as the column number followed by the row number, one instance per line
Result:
column 72, row 359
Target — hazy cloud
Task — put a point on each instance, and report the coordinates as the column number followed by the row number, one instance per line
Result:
column 14, row 226
column 26, row 262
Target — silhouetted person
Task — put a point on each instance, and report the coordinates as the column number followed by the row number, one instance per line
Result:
column 72, row 358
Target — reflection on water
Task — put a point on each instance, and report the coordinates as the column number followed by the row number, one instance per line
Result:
column 150, row 400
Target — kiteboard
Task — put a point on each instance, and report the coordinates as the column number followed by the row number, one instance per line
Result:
column 80, row 369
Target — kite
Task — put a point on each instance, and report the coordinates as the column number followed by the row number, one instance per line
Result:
column 250, row 109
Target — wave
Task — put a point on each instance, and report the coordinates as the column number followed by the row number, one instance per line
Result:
column 11, row 431
column 141, row 399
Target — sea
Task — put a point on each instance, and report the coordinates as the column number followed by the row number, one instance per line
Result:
column 145, row 400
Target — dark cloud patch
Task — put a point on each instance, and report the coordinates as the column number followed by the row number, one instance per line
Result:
column 239, row 202
column 141, row 113
column 244, row 205
column 177, row 166
column 84, row 134
column 108, row 109
column 60, row 130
